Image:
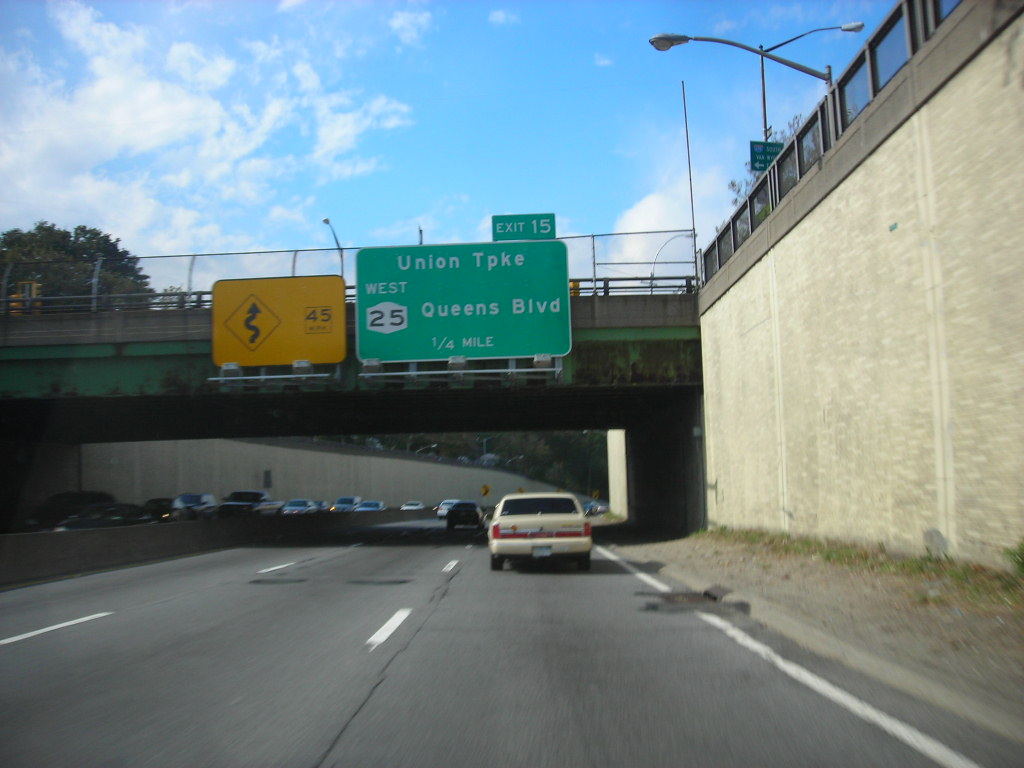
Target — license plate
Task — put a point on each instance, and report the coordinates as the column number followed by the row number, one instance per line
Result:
column 542, row 551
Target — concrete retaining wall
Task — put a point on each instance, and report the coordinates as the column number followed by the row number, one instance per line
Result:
column 295, row 467
column 863, row 376
column 32, row 557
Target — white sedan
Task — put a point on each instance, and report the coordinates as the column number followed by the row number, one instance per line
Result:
column 539, row 526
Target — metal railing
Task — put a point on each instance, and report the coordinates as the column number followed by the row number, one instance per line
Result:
column 662, row 262
column 909, row 25
column 109, row 302
column 177, row 300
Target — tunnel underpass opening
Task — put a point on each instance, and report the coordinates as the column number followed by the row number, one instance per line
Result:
column 664, row 466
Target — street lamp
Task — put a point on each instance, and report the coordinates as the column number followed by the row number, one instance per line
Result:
column 341, row 251
column 665, row 41
column 853, row 26
column 654, row 264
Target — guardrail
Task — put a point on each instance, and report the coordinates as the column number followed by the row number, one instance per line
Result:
column 176, row 300
column 27, row 557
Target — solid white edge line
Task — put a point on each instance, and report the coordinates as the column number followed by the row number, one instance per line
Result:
column 450, row 565
column 27, row 635
column 275, row 568
column 390, row 626
column 913, row 738
column 909, row 735
column 649, row 580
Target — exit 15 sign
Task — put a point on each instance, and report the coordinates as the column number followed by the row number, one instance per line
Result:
column 524, row 226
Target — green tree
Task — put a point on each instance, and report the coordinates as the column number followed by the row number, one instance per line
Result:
column 64, row 262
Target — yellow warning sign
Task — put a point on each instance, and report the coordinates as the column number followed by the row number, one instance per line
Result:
column 278, row 320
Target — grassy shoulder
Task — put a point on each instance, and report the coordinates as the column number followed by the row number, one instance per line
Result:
column 984, row 588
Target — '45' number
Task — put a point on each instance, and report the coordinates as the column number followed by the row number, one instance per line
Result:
column 387, row 317
column 318, row 315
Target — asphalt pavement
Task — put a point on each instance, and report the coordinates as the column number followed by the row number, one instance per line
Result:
column 398, row 646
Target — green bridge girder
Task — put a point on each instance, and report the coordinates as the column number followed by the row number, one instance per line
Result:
column 155, row 353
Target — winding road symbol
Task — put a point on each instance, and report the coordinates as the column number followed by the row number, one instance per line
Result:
column 252, row 322
column 254, row 311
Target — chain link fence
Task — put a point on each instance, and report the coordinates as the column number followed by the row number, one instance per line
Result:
column 661, row 262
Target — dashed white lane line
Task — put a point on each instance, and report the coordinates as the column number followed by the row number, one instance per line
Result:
column 449, row 567
column 16, row 638
column 913, row 738
column 390, row 626
column 275, row 568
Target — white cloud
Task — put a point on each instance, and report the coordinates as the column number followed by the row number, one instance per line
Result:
column 287, row 5
column 602, row 61
column 294, row 215
column 500, row 18
column 141, row 138
column 668, row 208
column 264, row 52
column 307, row 77
column 189, row 63
column 410, row 25
column 107, row 45
column 338, row 132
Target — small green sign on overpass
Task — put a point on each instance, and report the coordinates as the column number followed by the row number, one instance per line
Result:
column 763, row 154
column 475, row 300
column 526, row 226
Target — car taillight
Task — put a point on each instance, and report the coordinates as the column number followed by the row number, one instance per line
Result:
column 586, row 529
column 509, row 534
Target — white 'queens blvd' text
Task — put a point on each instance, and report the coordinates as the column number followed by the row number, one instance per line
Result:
column 518, row 306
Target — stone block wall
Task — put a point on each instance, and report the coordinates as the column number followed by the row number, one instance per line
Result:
column 863, row 378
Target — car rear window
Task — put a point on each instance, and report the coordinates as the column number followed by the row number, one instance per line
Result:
column 555, row 505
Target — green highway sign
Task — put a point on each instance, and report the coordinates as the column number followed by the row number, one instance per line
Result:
column 472, row 300
column 763, row 154
column 525, row 226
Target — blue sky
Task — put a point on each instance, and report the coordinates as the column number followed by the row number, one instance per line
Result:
column 199, row 126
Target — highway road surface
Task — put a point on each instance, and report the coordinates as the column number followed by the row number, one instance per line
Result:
column 398, row 646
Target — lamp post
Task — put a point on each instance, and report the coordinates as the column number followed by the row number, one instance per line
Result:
column 341, row 251
column 654, row 264
column 663, row 42
column 853, row 26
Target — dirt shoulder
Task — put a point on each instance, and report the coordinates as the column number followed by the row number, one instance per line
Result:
column 952, row 635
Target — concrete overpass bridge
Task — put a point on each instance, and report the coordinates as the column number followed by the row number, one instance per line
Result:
column 147, row 374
